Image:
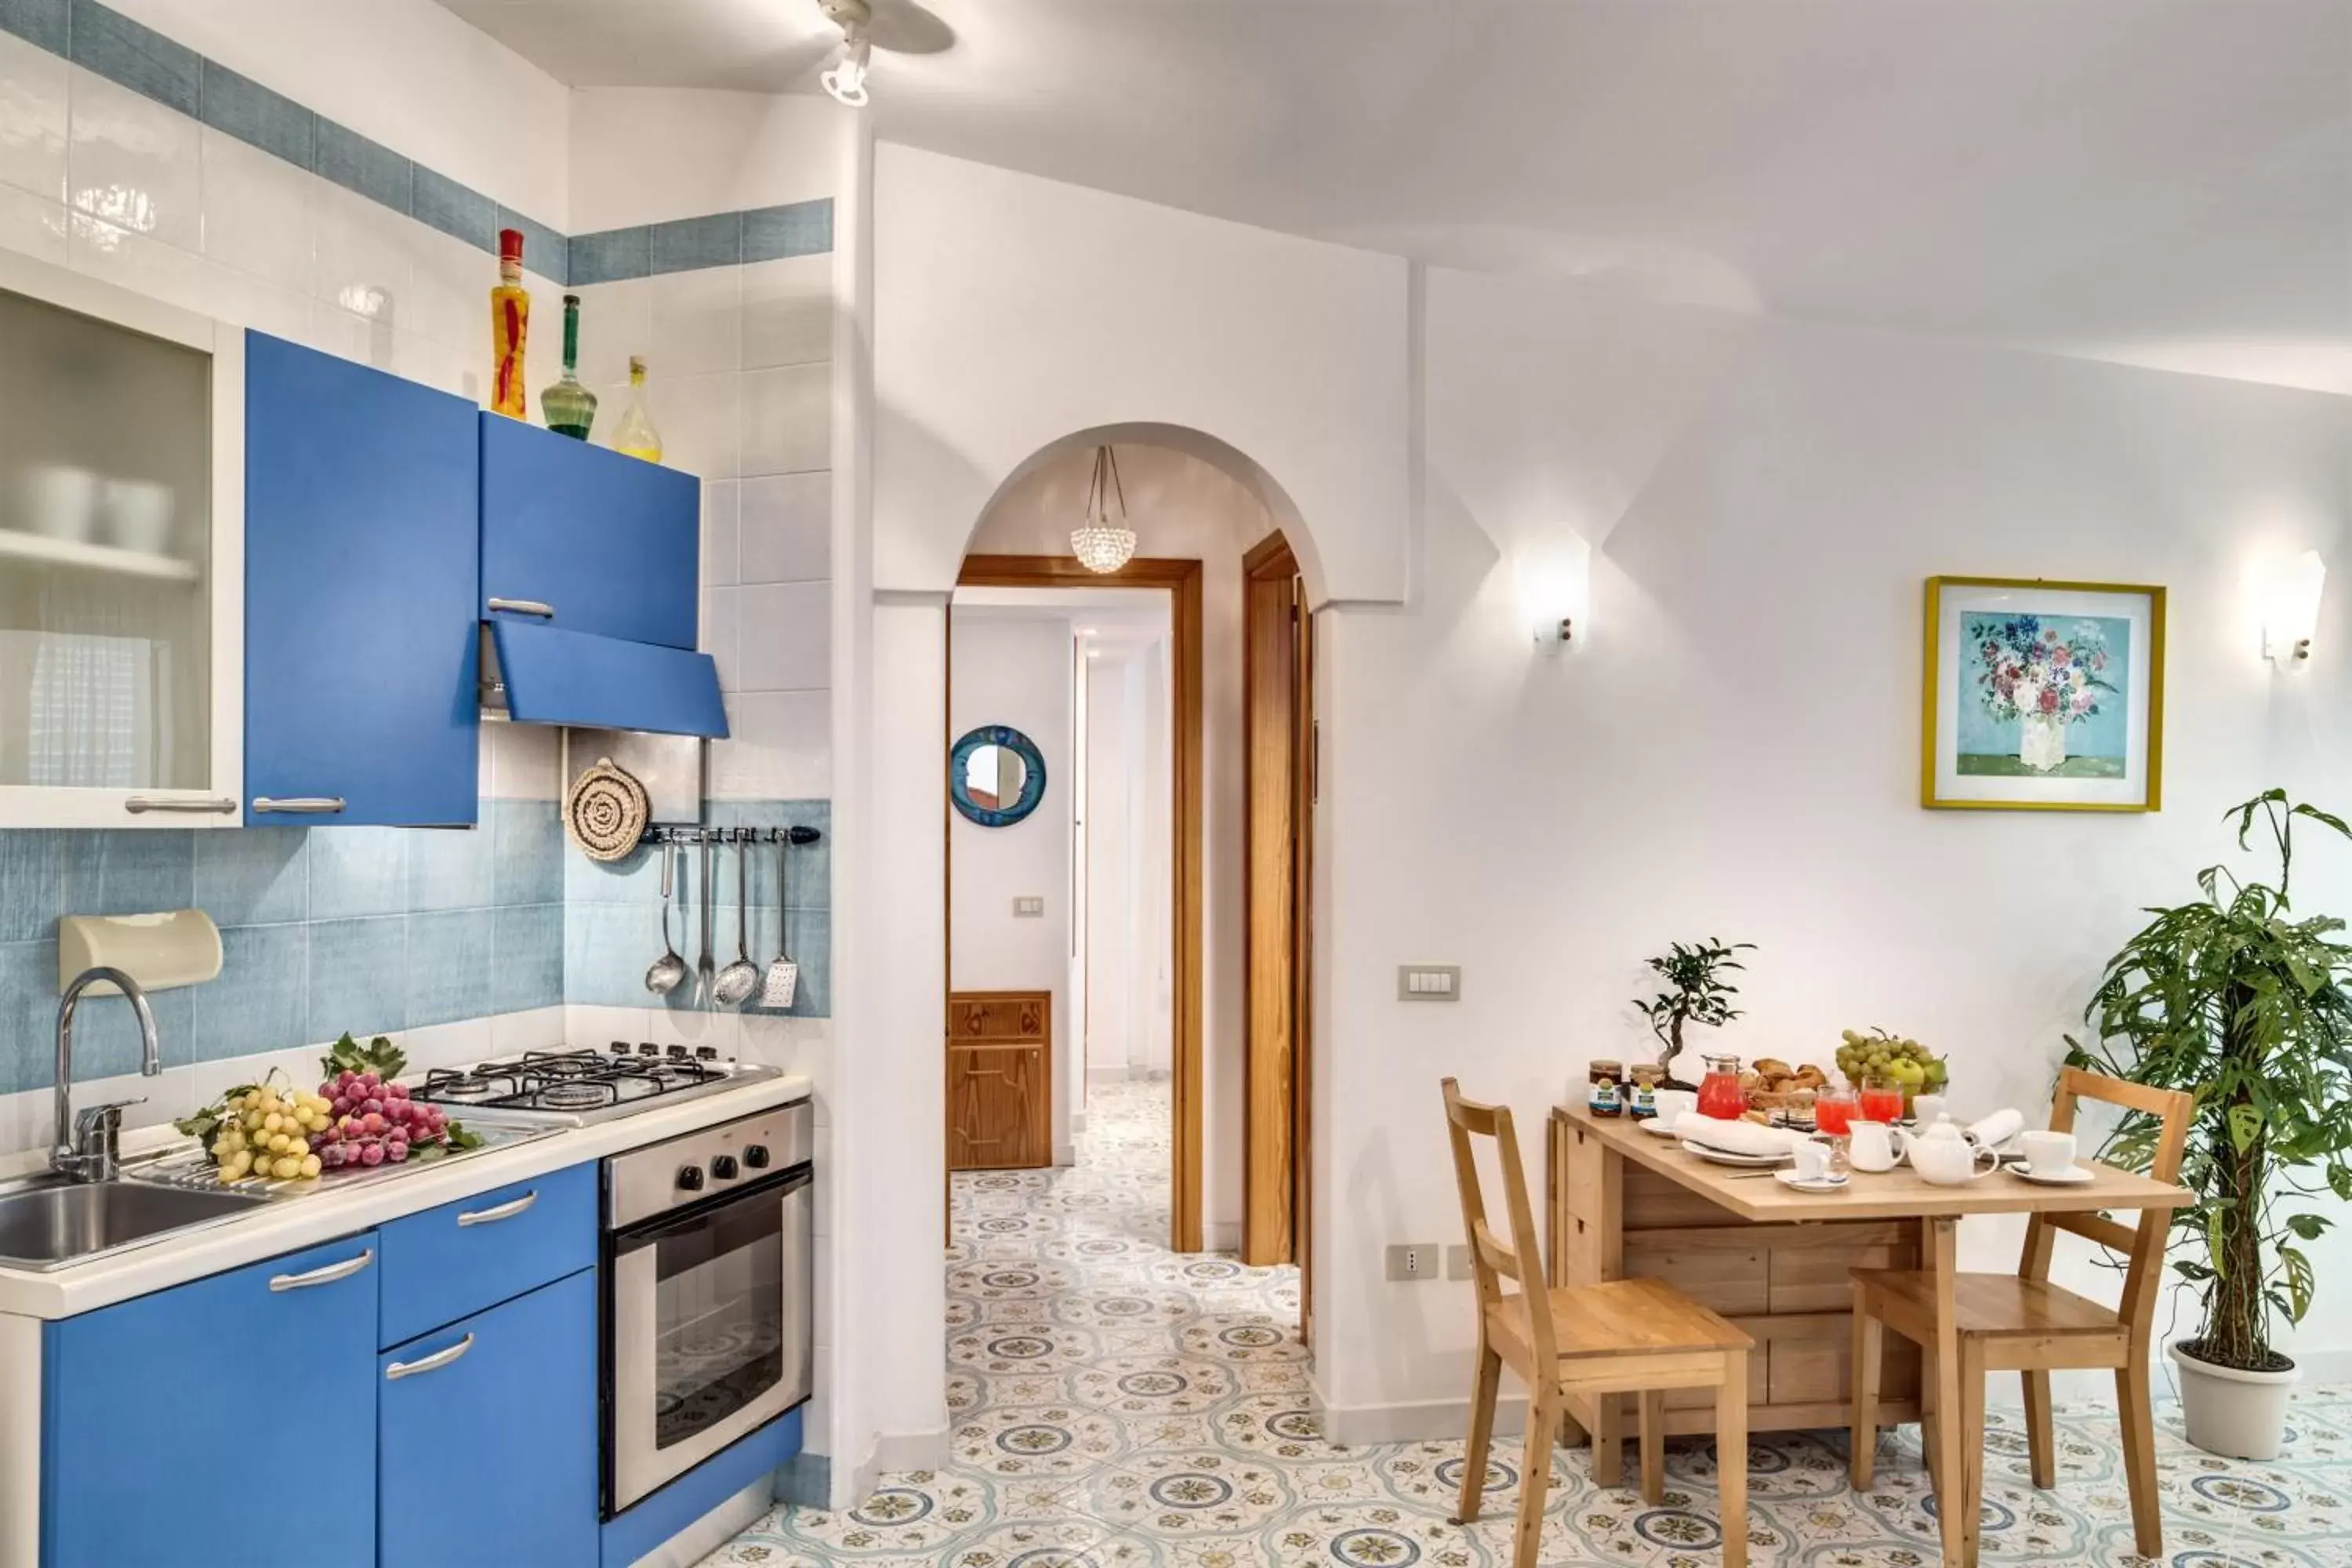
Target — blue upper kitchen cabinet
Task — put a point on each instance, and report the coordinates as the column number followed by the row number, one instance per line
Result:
column 180, row 1427
column 487, row 1435
column 362, row 701
column 585, row 539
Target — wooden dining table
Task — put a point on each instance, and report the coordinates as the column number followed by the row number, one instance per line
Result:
column 1625, row 1203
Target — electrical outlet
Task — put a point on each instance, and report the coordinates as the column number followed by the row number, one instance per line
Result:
column 1028, row 907
column 1412, row 1261
column 1457, row 1261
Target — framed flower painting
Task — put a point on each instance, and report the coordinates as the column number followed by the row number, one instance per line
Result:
column 2043, row 696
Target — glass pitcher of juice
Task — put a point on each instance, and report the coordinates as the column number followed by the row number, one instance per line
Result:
column 1882, row 1099
column 1719, row 1094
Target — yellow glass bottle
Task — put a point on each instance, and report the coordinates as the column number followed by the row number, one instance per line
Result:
column 509, row 329
column 635, row 433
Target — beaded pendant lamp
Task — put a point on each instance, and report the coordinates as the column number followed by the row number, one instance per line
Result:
column 1102, row 544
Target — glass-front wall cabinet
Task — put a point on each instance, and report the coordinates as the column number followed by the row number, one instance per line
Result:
column 120, row 570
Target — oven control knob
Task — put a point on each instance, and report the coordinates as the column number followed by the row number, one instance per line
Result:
column 689, row 1178
column 756, row 1156
column 722, row 1168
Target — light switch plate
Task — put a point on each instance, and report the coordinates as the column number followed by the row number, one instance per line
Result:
column 1429, row 982
column 1457, row 1261
column 1029, row 907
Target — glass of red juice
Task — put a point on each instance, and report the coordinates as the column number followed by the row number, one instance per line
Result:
column 1882, row 1099
column 1833, row 1112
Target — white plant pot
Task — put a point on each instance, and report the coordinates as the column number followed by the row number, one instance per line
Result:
column 2239, row 1415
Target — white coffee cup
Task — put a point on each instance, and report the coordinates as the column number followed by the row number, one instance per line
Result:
column 1925, row 1107
column 1813, row 1158
column 138, row 514
column 1673, row 1103
column 59, row 500
column 2048, row 1153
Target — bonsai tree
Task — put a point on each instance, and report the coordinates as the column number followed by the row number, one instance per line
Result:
column 2234, row 1000
column 1696, row 993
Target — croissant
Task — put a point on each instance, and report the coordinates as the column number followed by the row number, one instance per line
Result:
column 1773, row 1067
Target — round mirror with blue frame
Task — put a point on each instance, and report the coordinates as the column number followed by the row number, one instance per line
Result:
column 996, row 775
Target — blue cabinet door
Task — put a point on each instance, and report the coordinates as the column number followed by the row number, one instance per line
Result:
column 361, row 546
column 612, row 546
column 171, row 1423
column 487, row 1435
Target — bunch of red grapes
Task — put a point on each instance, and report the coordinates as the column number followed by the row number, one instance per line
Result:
column 374, row 1123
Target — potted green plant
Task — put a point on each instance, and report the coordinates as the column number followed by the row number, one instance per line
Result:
column 1696, row 993
column 2238, row 1002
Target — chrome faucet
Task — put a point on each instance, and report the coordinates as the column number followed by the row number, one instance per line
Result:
column 88, row 1146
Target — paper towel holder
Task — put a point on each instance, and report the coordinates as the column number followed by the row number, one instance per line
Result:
column 179, row 947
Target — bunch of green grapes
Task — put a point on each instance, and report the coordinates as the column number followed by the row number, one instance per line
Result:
column 1907, row 1062
column 267, row 1134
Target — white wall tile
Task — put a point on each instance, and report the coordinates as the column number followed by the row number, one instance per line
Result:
column 527, row 761
column 782, row 747
column 33, row 119
column 359, row 260
column 787, row 311
column 134, row 163
column 784, row 529
column 787, row 419
column 542, row 1028
column 450, row 295
column 695, row 414
column 785, row 643
column 721, row 506
column 256, row 211
column 32, row 225
column 697, row 319
column 722, row 630
column 615, row 321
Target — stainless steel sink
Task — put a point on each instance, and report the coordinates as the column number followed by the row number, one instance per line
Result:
column 51, row 1222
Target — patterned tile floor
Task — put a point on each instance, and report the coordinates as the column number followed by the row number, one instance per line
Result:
column 1118, row 1405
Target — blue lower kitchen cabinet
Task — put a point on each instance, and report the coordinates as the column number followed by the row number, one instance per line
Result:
column 182, row 1427
column 487, row 1435
column 361, row 643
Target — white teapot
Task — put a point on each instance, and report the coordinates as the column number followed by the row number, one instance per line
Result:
column 1945, row 1156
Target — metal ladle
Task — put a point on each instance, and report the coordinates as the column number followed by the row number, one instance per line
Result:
column 736, row 981
column 663, row 975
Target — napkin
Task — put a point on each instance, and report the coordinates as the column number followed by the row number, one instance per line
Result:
column 1735, row 1137
column 1997, row 1129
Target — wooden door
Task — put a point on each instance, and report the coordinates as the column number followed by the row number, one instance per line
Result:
column 1276, row 731
column 999, row 1080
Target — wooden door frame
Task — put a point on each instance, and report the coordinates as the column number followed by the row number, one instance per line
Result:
column 1182, row 580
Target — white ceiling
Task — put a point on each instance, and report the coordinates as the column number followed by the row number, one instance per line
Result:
column 2162, row 182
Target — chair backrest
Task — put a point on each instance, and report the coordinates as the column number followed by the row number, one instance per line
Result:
column 1491, row 1261
column 2143, row 1243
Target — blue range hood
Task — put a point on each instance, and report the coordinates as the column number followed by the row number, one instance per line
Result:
column 557, row 676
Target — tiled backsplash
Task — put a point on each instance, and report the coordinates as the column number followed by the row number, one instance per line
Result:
column 323, row 929
column 613, row 913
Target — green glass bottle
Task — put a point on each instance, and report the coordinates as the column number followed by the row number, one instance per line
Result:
column 571, row 408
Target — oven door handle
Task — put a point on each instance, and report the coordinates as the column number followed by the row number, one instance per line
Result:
column 647, row 1231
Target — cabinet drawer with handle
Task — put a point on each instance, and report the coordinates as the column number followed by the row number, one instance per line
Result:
column 452, row 1261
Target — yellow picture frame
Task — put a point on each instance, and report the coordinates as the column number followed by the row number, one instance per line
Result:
column 1950, row 780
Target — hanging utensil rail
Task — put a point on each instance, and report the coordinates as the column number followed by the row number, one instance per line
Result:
column 795, row 835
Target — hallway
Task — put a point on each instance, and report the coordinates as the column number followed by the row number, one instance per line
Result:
column 1116, row 1405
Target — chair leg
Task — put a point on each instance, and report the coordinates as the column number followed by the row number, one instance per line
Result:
column 1482, row 1391
column 1535, row 1479
column 2039, row 1434
column 1607, row 1441
column 1653, row 1447
column 1731, row 1457
column 2139, row 1452
column 1972, row 1453
column 1869, row 1349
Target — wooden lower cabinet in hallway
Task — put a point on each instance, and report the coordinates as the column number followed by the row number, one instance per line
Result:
column 1000, row 1050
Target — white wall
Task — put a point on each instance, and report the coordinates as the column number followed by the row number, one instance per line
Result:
column 1014, row 669
column 1111, row 891
column 644, row 154
column 1153, row 1031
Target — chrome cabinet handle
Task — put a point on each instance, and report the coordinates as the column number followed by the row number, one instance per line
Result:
column 301, row 806
column 525, row 607
column 432, row 1362
column 217, row 805
column 327, row 1276
column 504, row 1211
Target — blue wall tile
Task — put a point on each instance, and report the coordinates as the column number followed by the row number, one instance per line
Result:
column 356, row 164
column 30, row 860
column 685, row 244
column 41, row 22
column 527, row 852
column 802, row 228
column 28, row 1011
column 544, row 251
column 260, row 1003
column 605, row 952
column 358, row 977
column 454, row 210
column 610, row 256
column 358, row 871
column 259, row 876
column 141, row 59
column 243, row 109
column 448, row 967
column 527, row 957
column 145, row 872
column 106, row 1034
column 448, row 869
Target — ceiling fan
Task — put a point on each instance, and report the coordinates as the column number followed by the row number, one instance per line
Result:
column 899, row 26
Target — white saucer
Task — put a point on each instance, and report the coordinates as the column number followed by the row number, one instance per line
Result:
column 1726, row 1157
column 1826, row 1185
column 1658, row 1127
column 2074, row 1178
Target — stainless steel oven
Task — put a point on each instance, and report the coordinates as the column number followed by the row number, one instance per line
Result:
column 708, row 1295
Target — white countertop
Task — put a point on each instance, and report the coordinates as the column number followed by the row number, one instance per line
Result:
column 290, row 1225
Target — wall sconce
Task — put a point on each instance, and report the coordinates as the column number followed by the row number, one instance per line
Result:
column 1553, row 581
column 2291, row 614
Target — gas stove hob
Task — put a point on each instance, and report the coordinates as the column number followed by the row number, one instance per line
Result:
column 573, row 1089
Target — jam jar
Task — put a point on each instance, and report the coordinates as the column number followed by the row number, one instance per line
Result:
column 1605, row 1098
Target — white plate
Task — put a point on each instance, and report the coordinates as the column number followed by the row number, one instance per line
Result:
column 1726, row 1157
column 1656, row 1127
column 1826, row 1185
column 2074, row 1178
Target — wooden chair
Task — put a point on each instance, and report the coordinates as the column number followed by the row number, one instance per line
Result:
column 2021, row 1322
column 1624, row 1336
